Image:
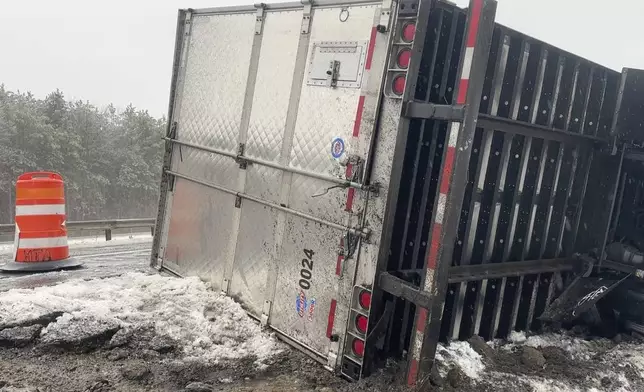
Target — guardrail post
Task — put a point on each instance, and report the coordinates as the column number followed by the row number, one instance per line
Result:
column 108, row 234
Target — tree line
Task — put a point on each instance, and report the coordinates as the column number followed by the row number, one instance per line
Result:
column 110, row 159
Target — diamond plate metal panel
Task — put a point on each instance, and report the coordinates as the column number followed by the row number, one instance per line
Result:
column 254, row 257
column 263, row 182
column 213, row 168
column 325, row 114
column 305, row 324
column 319, row 198
column 200, row 231
column 273, row 85
column 215, row 80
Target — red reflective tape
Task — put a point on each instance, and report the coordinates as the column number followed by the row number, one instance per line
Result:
column 422, row 320
column 372, row 46
column 338, row 265
column 348, row 172
column 329, row 325
column 412, row 374
column 477, row 6
column 434, row 246
column 462, row 91
column 448, row 167
column 351, row 193
column 358, row 121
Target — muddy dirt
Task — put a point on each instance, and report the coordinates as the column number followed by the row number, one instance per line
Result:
column 146, row 363
column 109, row 357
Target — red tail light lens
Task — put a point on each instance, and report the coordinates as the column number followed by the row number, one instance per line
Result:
column 358, row 347
column 361, row 323
column 408, row 32
column 364, row 299
column 398, row 85
column 404, row 57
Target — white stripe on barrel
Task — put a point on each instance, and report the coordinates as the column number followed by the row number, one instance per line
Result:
column 46, row 242
column 42, row 209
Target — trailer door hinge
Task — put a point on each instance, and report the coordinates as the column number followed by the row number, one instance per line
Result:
column 357, row 164
column 266, row 312
column 374, row 189
column 259, row 18
column 385, row 16
column 188, row 21
column 187, row 30
column 349, row 245
column 332, row 356
column 238, row 201
column 306, row 17
column 224, row 286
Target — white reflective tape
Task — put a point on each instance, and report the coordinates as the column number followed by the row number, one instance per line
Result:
column 429, row 281
column 467, row 63
column 38, row 243
column 418, row 345
column 440, row 208
column 43, row 209
column 453, row 134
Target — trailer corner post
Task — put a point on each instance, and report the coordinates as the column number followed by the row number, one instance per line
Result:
column 453, row 178
column 182, row 38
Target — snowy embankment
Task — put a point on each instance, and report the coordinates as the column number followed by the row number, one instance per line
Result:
column 205, row 326
column 552, row 362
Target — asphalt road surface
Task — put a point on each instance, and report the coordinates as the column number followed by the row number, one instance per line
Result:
column 101, row 259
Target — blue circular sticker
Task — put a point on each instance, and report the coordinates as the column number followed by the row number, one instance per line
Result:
column 337, row 147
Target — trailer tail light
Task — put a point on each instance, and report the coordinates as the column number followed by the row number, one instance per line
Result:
column 404, row 58
column 364, row 299
column 362, row 322
column 358, row 347
column 401, row 57
column 355, row 345
column 408, row 32
column 398, row 85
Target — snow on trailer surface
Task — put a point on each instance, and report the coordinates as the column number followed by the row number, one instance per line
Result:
column 207, row 327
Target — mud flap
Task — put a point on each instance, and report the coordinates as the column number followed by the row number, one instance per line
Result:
column 582, row 295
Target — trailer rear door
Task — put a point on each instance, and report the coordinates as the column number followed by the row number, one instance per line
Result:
column 272, row 115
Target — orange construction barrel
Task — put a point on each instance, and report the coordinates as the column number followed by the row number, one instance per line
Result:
column 41, row 235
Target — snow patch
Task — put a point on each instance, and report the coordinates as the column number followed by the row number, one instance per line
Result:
column 626, row 355
column 517, row 337
column 545, row 385
column 577, row 348
column 461, row 354
column 74, row 328
column 207, row 326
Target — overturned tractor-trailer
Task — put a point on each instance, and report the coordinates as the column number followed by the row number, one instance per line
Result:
column 369, row 178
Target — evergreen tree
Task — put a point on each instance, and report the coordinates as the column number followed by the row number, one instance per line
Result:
column 110, row 160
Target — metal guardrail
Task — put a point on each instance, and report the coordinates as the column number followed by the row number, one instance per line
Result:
column 106, row 225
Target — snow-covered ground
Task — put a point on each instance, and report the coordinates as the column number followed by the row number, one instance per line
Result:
column 207, row 326
column 135, row 314
column 569, row 363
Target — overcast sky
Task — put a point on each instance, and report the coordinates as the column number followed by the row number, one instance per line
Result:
column 120, row 51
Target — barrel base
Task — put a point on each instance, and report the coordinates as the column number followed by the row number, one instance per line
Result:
column 45, row 266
